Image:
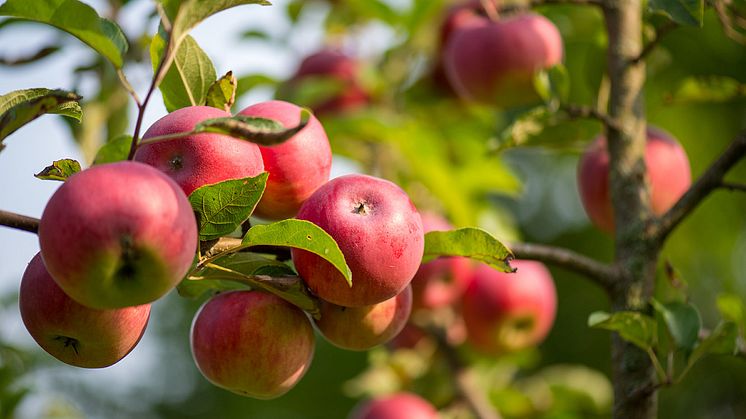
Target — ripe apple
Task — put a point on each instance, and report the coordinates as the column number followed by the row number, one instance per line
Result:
column 75, row 334
column 297, row 167
column 117, row 235
column 362, row 328
column 455, row 17
column 509, row 311
column 342, row 71
column 668, row 173
column 442, row 281
column 200, row 159
column 378, row 230
column 395, row 406
column 494, row 62
column 252, row 343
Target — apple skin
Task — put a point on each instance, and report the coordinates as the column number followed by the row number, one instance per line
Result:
column 442, row 281
column 506, row 312
column 75, row 334
column 668, row 173
column 252, row 343
column 495, row 62
column 117, row 235
column 297, row 167
column 378, row 230
column 200, row 159
column 362, row 328
column 395, row 406
column 339, row 67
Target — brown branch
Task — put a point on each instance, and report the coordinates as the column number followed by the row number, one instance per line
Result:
column 471, row 394
column 19, row 222
column 587, row 112
column 602, row 274
column 710, row 180
column 664, row 30
column 42, row 53
column 733, row 187
column 535, row 3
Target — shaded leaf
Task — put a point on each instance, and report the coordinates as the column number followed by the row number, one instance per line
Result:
column 683, row 322
column 300, row 234
column 20, row 107
column 553, row 84
column 223, row 206
column 222, row 93
column 546, row 127
column 731, row 308
column 77, row 19
column 30, row 58
column 632, row 326
column 683, row 12
column 470, row 242
column 707, row 89
column 59, row 170
column 189, row 76
column 261, row 131
column 251, row 81
column 723, row 341
column 116, row 149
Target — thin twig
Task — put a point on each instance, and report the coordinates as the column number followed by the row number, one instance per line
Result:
column 710, row 180
column 733, row 186
column 128, row 87
column 535, row 3
column 659, row 34
column 19, row 222
column 602, row 274
column 472, row 395
column 587, row 112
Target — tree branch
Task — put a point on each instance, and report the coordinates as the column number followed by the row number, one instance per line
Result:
column 19, row 222
column 733, row 187
column 710, row 180
column 602, row 274
column 579, row 111
column 659, row 34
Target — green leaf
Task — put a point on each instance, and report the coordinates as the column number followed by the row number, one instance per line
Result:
column 261, row 131
column 553, row 84
column 731, row 308
column 116, row 149
column 251, row 81
column 223, row 206
column 683, row 322
column 546, row 127
column 707, row 89
column 312, row 90
column 723, row 341
column 300, row 234
column 189, row 77
column 470, row 242
column 59, row 170
column 222, row 93
column 77, row 19
column 20, row 107
column 632, row 326
column 683, row 12
column 186, row 14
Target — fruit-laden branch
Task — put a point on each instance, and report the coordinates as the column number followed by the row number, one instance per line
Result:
column 472, row 395
column 19, row 222
column 710, row 180
column 602, row 274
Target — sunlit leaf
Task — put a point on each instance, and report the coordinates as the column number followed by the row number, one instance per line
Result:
column 261, row 131
column 723, row 341
column 469, row 242
column 59, row 170
column 20, row 107
column 222, row 93
column 116, row 149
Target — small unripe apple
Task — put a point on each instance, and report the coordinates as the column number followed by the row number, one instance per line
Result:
column 117, row 235
column 395, row 406
column 297, row 167
column 73, row 333
column 340, row 68
column 668, row 173
column 252, row 343
column 506, row 312
column 442, row 281
column 199, row 159
column 362, row 328
column 494, row 62
column 379, row 232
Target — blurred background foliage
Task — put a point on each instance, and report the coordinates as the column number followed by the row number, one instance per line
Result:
column 459, row 160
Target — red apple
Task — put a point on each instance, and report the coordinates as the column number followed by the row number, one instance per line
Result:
column 668, row 173
column 442, row 281
column 408, row 338
column 117, row 235
column 509, row 311
column 75, row 334
column 395, row 406
column 362, row 328
column 494, row 62
column 297, row 167
column 455, row 17
column 252, row 343
column 200, row 159
column 377, row 228
column 339, row 68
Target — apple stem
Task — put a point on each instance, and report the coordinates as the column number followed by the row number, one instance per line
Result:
column 68, row 341
column 491, row 9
